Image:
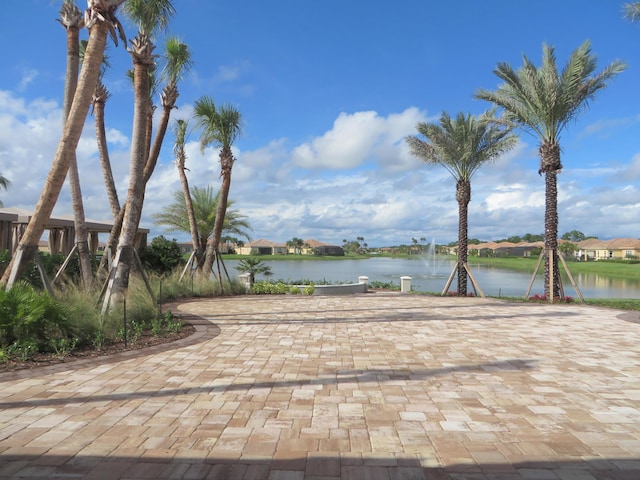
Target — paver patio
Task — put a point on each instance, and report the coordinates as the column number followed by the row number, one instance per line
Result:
column 371, row 386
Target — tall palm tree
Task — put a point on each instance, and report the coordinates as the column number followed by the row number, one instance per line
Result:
column 72, row 20
column 543, row 100
column 4, row 183
column 220, row 127
column 632, row 11
column 204, row 203
column 150, row 16
column 462, row 145
column 98, row 101
column 101, row 21
column 177, row 63
column 180, row 132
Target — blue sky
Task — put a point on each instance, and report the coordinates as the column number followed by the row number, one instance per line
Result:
column 328, row 91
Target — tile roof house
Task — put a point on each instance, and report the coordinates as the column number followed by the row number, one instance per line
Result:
column 617, row 248
column 262, row 247
column 267, row 247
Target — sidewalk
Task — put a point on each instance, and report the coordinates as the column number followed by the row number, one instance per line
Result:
column 372, row 386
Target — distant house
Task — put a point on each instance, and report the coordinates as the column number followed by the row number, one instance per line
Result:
column 262, row 247
column 267, row 247
column 506, row 249
column 617, row 248
column 314, row 247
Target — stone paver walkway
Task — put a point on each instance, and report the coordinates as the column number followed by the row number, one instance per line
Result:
column 372, row 386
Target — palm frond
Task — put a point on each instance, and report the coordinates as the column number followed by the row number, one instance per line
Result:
column 462, row 144
column 632, row 11
column 178, row 60
column 543, row 100
column 150, row 16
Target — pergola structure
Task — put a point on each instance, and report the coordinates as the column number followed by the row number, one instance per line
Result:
column 61, row 231
column 6, row 230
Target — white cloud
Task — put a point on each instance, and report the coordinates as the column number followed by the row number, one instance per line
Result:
column 358, row 138
column 356, row 179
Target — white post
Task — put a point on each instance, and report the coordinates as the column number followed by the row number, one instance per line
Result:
column 405, row 284
column 365, row 280
column 244, row 278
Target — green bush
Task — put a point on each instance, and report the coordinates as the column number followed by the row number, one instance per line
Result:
column 269, row 288
column 31, row 316
column 162, row 255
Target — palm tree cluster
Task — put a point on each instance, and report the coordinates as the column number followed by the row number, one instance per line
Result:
column 539, row 100
column 151, row 72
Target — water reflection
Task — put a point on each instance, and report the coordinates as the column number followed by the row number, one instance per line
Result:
column 430, row 274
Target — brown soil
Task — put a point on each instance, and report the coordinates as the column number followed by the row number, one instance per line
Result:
column 147, row 339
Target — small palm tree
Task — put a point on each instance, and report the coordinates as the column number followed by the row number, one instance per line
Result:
column 253, row 266
column 462, row 145
column 543, row 100
column 204, row 202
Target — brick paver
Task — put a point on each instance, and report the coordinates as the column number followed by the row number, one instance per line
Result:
column 372, row 386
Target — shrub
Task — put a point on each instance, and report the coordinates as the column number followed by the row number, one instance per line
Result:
column 543, row 298
column 162, row 255
column 269, row 288
column 31, row 316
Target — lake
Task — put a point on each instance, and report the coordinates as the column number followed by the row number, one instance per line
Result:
column 431, row 274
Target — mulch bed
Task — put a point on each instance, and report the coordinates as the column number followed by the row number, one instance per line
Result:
column 146, row 339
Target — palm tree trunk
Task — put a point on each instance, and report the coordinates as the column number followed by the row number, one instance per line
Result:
column 463, row 195
column 551, row 288
column 169, row 98
column 213, row 242
column 82, row 233
column 28, row 244
column 550, row 164
column 193, row 225
column 151, row 154
column 99, row 100
column 135, row 194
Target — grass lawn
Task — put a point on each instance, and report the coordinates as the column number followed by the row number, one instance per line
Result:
column 604, row 268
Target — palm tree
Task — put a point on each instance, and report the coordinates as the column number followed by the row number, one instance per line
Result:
column 297, row 244
column 100, row 20
column 4, row 183
column 98, row 102
column 462, row 145
column 543, row 101
column 220, row 128
column 177, row 63
column 150, row 16
column 180, row 131
column 72, row 20
column 253, row 266
column 204, row 203
column 632, row 11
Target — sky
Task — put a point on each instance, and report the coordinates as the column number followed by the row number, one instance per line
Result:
column 328, row 92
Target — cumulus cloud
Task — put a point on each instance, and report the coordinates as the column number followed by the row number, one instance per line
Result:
column 355, row 179
column 358, row 138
